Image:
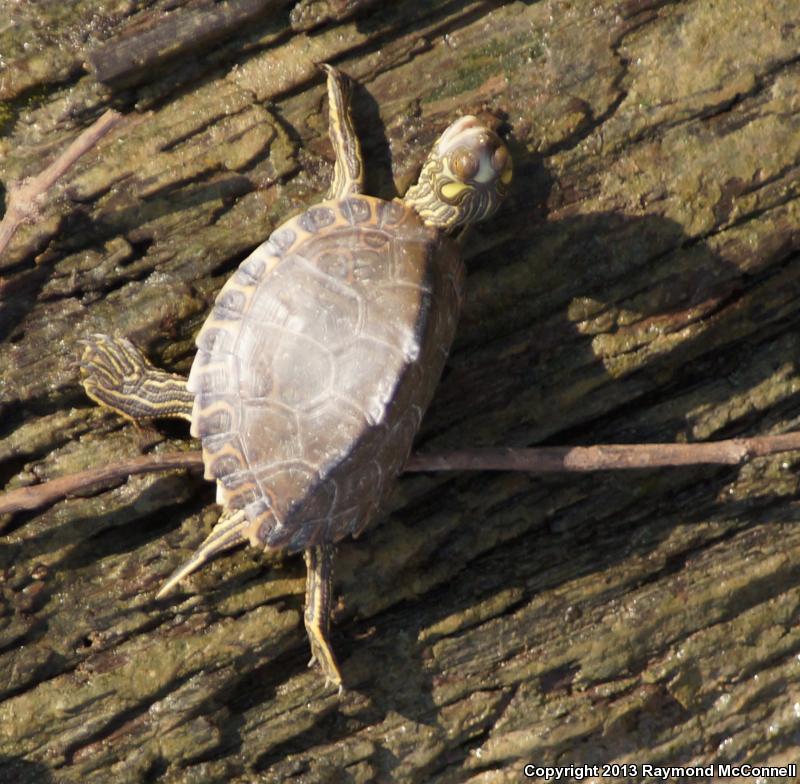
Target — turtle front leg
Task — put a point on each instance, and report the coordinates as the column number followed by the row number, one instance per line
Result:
column 348, row 171
column 117, row 375
column 317, row 616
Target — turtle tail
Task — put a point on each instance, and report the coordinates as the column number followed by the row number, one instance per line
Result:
column 230, row 530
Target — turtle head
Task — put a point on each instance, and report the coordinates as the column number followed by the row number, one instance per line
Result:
column 465, row 178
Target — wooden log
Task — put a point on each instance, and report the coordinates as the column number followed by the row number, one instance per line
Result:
column 641, row 285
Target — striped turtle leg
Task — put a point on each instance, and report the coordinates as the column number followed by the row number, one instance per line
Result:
column 229, row 531
column 348, row 172
column 319, row 564
column 117, row 375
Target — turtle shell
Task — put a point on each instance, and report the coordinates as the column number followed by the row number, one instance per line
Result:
column 317, row 363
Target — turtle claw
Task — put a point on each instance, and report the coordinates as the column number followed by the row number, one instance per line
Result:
column 115, row 356
column 330, row 679
column 112, row 370
column 321, row 652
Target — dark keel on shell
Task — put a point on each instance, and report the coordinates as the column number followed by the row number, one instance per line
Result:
column 316, row 366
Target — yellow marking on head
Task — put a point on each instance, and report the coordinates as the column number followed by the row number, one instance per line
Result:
column 452, row 190
column 507, row 176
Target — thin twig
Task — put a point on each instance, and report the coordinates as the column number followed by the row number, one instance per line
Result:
column 605, row 457
column 547, row 459
column 94, row 480
column 23, row 198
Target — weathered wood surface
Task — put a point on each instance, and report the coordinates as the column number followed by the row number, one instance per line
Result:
column 641, row 284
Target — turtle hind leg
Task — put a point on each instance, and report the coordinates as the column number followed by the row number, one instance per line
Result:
column 230, row 530
column 317, row 615
column 117, row 375
column 348, row 171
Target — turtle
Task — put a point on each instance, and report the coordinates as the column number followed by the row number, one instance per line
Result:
column 320, row 355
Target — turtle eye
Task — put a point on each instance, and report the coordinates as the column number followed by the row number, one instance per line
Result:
column 501, row 163
column 465, row 165
column 500, row 159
